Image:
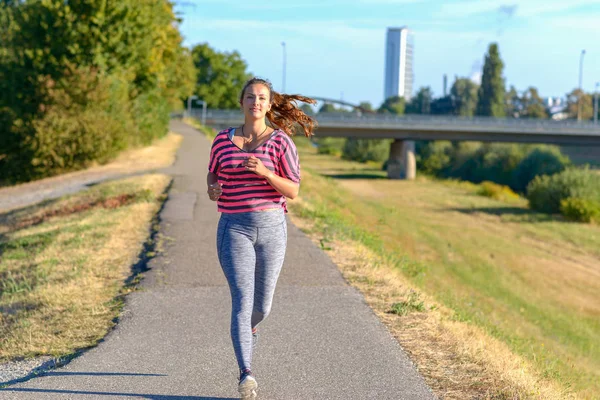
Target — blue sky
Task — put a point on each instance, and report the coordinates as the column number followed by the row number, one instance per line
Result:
column 335, row 48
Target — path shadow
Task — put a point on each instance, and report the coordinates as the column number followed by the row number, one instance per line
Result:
column 137, row 395
column 515, row 214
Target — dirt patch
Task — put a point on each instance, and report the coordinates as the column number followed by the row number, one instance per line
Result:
column 108, row 203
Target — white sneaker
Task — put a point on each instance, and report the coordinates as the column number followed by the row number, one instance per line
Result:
column 247, row 387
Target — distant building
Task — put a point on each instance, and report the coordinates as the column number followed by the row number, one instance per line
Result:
column 557, row 108
column 399, row 77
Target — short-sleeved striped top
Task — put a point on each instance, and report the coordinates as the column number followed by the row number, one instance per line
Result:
column 243, row 190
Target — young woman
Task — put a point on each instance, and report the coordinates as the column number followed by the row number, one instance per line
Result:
column 253, row 168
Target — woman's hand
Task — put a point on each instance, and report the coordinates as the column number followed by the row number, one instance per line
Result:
column 255, row 165
column 214, row 191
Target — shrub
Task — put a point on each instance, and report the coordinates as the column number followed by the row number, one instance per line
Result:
column 364, row 150
column 542, row 160
column 545, row 192
column 495, row 191
column 332, row 146
column 582, row 210
column 84, row 121
column 496, row 162
column 461, row 162
column 434, row 157
column 151, row 115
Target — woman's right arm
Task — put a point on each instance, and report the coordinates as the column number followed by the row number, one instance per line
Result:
column 214, row 187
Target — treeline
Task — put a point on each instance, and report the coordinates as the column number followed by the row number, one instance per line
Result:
column 82, row 80
column 489, row 99
column 540, row 172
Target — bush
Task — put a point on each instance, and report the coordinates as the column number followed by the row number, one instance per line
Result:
column 581, row 210
column 84, row 118
column 364, row 150
column 151, row 115
column 545, row 192
column 332, row 146
column 85, row 121
column 542, row 160
column 495, row 191
column 434, row 157
column 495, row 162
column 461, row 162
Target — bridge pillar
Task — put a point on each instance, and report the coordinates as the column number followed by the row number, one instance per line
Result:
column 402, row 163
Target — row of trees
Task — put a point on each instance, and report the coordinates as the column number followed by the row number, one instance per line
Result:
column 84, row 79
column 221, row 76
column 491, row 98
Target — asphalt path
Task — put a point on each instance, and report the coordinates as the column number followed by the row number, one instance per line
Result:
column 321, row 340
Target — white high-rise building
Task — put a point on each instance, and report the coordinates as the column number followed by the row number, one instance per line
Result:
column 399, row 75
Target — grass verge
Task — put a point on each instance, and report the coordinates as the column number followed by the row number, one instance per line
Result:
column 490, row 299
column 66, row 264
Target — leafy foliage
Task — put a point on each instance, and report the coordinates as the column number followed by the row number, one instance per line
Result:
column 221, row 76
column 393, row 105
column 68, row 69
column 421, row 103
column 581, row 210
column 587, row 104
column 464, row 97
column 545, row 193
column 542, row 160
column 490, row 101
column 364, row 150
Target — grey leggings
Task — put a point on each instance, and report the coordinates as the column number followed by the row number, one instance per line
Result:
column 251, row 248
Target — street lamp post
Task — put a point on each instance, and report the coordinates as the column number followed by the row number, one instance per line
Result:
column 203, row 111
column 284, row 60
column 580, row 82
column 596, row 103
column 189, row 105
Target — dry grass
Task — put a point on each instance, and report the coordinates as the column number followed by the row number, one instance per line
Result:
column 458, row 360
column 64, row 263
column 64, row 266
column 524, row 281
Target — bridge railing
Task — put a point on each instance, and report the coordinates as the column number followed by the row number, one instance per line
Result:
column 423, row 122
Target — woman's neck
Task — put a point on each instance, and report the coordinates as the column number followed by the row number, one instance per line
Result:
column 254, row 128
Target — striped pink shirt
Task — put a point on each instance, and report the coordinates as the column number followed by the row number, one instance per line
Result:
column 243, row 190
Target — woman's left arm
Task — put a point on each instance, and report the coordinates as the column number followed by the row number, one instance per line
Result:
column 283, row 185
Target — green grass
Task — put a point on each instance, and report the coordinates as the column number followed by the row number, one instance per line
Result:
column 529, row 279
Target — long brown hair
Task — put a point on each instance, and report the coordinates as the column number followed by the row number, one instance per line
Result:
column 284, row 112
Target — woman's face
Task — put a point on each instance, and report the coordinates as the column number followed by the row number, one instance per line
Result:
column 255, row 102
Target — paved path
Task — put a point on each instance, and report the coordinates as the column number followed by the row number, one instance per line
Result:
column 320, row 342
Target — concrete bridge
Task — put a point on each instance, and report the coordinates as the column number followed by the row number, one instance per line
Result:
column 408, row 128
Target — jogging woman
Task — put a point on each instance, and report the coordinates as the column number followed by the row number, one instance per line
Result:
column 253, row 168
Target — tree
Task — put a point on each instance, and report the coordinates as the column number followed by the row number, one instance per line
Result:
column 135, row 67
column 490, row 100
column 221, row 76
column 308, row 110
column 464, row 97
column 392, row 105
column 328, row 108
column 421, row 103
column 365, row 105
column 587, row 104
column 442, row 106
column 513, row 108
column 533, row 104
